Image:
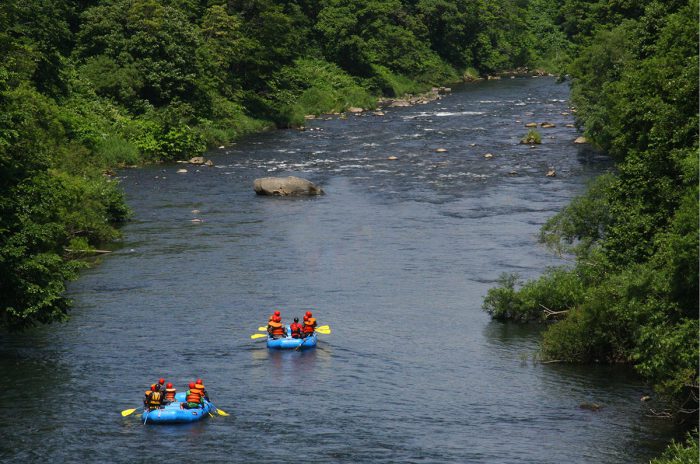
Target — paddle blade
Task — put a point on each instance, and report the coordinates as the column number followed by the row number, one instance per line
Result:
column 323, row 331
column 128, row 412
column 262, row 329
column 254, row 336
column 221, row 413
column 323, row 327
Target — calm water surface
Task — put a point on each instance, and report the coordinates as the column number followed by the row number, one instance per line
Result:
column 397, row 258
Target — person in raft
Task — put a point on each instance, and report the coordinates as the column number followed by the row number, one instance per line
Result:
column 309, row 324
column 199, row 385
column 153, row 399
column 160, row 385
column 170, row 392
column 296, row 328
column 194, row 398
column 275, row 328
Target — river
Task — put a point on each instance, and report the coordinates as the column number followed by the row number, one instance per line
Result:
column 396, row 257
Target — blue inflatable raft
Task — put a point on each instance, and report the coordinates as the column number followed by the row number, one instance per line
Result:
column 173, row 414
column 286, row 343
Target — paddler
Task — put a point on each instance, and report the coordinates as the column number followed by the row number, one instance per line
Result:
column 160, row 385
column 275, row 328
column 274, row 315
column 193, row 398
column 199, row 385
column 153, row 399
column 309, row 324
column 296, row 328
column 170, row 392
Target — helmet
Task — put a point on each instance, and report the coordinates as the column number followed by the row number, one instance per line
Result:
column 277, row 313
column 153, row 388
column 277, row 319
column 296, row 319
column 306, row 318
column 169, row 385
column 191, row 384
column 199, row 381
column 161, row 381
column 308, row 313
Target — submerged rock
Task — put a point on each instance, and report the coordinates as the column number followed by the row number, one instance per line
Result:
column 581, row 140
column 285, row 186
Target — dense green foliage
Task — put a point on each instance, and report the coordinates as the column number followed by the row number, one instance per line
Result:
column 632, row 294
column 89, row 85
column 681, row 453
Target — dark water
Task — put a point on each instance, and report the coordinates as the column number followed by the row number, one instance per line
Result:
column 397, row 258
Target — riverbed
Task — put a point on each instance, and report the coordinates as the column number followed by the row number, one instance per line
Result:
column 396, row 256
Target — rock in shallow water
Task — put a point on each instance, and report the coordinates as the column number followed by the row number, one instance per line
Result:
column 285, row 186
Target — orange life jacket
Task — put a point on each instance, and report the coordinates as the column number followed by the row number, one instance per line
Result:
column 275, row 328
column 170, row 394
column 194, row 395
column 309, row 325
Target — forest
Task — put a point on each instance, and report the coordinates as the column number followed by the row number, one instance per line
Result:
column 87, row 86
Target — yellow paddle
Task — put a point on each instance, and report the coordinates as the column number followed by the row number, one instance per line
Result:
column 220, row 412
column 128, row 412
column 254, row 336
column 324, row 331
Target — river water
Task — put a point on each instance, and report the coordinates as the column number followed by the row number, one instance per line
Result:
column 396, row 257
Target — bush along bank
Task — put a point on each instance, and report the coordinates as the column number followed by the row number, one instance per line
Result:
column 632, row 294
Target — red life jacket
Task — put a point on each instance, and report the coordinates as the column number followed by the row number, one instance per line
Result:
column 296, row 329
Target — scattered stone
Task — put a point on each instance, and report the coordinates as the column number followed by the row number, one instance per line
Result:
column 182, row 171
column 531, row 124
column 392, row 158
column 645, row 398
column 493, row 78
column 195, row 211
column 354, row 109
column 472, row 144
column 378, row 113
column 309, row 116
column 285, row 186
column 196, row 220
column 209, row 163
column 440, row 150
column 182, row 162
column 590, row 406
column 581, row 140
column 513, row 173
column 400, row 103
column 221, row 147
column 488, row 155
column 443, row 90
column 564, row 113
column 518, row 121
column 197, row 160
column 551, row 173
column 547, row 125
column 571, row 126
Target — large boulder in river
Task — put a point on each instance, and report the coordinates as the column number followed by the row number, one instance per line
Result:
column 285, row 186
